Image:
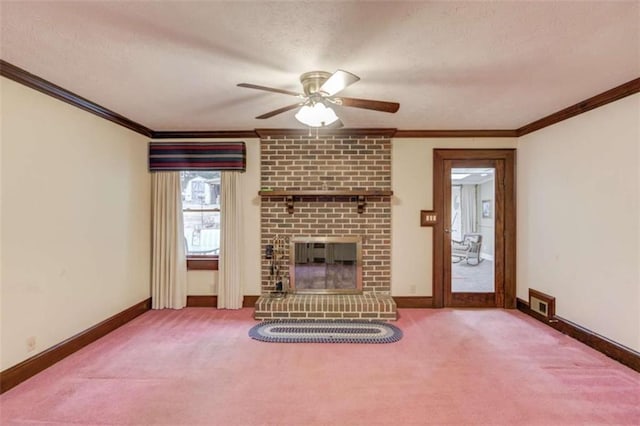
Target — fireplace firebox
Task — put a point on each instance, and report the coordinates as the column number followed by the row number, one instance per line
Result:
column 325, row 265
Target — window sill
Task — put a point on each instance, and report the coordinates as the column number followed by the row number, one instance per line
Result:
column 202, row 263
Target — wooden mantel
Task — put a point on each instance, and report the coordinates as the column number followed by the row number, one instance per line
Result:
column 360, row 194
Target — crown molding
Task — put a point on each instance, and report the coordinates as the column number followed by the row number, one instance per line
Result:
column 381, row 132
column 210, row 134
column 611, row 95
column 506, row 133
column 21, row 76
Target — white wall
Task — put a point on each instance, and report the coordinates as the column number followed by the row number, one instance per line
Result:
column 579, row 218
column 412, row 183
column 205, row 283
column 76, row 251
column 202, row 283
column 75, row 203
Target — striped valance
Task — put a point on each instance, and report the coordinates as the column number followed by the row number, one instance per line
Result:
column 165, row 156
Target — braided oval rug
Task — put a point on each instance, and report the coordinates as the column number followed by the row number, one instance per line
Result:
column 325, row 331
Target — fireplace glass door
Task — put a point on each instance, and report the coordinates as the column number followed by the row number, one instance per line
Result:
column 326, row 265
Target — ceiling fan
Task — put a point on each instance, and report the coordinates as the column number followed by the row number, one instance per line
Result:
column 320, row 90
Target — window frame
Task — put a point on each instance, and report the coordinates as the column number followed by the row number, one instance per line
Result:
column 201, row 262
column 197, row 262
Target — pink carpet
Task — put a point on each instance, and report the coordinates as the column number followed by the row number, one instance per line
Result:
column 198, row 367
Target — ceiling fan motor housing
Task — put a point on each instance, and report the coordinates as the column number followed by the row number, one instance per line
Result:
column 313, row 80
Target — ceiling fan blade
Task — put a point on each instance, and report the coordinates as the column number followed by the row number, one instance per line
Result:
column 369, row 104
column 270, row 89
column 338, row 81
column 278, row 111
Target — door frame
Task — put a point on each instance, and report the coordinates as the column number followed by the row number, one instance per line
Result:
column 508, row 215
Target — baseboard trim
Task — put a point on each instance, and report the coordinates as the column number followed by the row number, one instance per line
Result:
column 17, row 374
column 249, row 301
column 212, row 301
column 620, row 353
column 202, row 301
column 406, row 302
column 412, row 302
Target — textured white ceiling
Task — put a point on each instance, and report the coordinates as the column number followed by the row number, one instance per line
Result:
column 451, row 65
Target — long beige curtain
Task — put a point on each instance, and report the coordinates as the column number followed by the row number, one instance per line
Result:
column 468, row 208
column 229, row 266
column 168, row 257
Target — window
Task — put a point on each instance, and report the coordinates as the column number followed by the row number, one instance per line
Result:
column 201, row 213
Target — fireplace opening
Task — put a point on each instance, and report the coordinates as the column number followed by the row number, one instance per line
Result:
column 326, row 265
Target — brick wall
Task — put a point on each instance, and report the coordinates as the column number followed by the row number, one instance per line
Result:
column 331, row 162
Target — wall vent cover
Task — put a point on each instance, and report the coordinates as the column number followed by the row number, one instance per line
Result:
column 542, row 304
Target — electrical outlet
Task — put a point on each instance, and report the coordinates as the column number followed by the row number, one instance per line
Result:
column 412, row 289
column 31, row 344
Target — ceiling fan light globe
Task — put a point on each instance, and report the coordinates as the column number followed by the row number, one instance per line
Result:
column 317, row 115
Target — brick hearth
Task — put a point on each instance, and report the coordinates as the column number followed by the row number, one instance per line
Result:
column 360, row 306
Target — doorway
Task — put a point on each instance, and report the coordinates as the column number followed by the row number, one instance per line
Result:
column 472, row 230
column 474, row 242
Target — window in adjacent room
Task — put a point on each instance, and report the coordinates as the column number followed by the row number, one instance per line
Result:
column 201, row 212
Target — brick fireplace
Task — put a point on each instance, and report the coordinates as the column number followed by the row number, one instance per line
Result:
column 330, row 186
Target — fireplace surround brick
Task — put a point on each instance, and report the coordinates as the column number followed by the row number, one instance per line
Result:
column 328, row 163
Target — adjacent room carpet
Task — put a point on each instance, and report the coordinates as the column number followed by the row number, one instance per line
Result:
column 197, row 366
column 471, row 277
